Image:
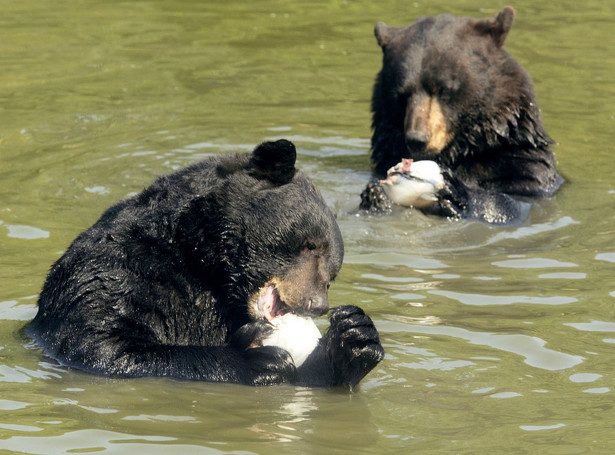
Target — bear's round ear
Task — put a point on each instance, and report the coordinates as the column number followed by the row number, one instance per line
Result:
column 274, row 161
column 383, row 33
column 497, row 27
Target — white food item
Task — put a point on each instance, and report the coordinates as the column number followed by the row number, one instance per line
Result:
column 413, row 183
column 296, row 334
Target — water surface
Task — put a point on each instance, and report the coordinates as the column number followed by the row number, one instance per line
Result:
column 498, row 340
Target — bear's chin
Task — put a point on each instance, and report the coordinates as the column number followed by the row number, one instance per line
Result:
column 419, row 153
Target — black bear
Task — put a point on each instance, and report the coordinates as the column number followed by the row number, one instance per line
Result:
column 184, row 279
column 448, row 92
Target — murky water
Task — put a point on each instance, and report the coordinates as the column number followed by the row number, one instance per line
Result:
column 498, row 340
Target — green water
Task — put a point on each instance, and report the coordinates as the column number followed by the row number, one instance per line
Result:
column 498, row 340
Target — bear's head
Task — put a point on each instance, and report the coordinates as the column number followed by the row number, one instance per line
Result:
column 265, row 236
column 448, row 89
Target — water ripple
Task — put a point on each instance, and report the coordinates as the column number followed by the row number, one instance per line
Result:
column 528, row 347
column 593, row 326
column 534, row 229
column 21, row 231
column 533, row 263
column 484, row 299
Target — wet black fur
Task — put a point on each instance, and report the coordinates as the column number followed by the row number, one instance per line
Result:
column 499, row 144
column 159, row 284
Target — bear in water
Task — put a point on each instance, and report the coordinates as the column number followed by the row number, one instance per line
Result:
column 449, row 92
column 188, row 278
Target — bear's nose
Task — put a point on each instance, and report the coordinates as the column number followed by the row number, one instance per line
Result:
column 416, row 139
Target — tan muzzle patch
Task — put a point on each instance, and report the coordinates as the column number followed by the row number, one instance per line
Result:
column 425, row 119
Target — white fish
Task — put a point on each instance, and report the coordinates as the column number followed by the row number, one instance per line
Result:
column 296, row 334
column 413, row 183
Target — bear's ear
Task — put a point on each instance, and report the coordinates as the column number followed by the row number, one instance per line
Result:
column 383, row 33
column 497, row 27
column 274, row 161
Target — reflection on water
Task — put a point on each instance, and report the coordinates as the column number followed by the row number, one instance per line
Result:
column 18, row 231
column 495, row 337
column 100, row 441
column 594, row 326
column 532, row 349
column 184, row 416
column 478, row 299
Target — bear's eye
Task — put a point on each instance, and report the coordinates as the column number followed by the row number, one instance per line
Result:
column 309, row 245
column 402, row 100
column 404, row 93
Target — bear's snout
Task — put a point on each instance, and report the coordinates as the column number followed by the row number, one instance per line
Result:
column 426, row 128
column 304, row 288
column 317, row 305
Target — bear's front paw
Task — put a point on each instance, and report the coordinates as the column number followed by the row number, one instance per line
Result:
column 251, row 335
column 354, row 344
column 452, row 198
column 270, row 365
column 374, row 199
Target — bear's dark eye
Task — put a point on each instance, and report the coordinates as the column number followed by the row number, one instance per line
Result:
column 405, row 93
column 402, row 100
column 309, row 245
